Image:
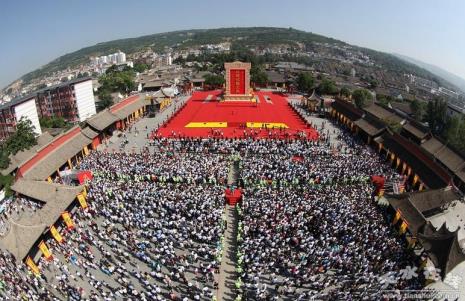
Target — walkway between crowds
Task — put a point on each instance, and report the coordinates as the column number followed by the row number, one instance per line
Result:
column 227, row 277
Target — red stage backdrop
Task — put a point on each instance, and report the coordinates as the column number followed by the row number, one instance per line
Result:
column 237, row 80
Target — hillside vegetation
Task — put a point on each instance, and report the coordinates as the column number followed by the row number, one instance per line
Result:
column 261, row 37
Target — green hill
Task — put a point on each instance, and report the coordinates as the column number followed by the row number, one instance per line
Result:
column 255, row 36
column 239, row 36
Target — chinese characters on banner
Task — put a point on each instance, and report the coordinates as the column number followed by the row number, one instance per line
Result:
column 237, row 81
column 56, row 234
column 44, row 249
column 32, row 265
column 68, row 221
column 82, row 201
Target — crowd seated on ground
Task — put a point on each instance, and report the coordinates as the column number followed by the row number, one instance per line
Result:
column 152, row 231
column 154, row 225
column 312, row 230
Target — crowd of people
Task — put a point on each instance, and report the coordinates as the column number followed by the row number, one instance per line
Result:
column 311, row 228
column 153, row 229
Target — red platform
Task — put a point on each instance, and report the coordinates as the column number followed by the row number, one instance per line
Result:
column 203, row 107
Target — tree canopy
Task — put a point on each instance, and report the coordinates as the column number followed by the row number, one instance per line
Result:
column 451, row 129
column 140, row 67
column 393, row 125
column 345, row 92
column 361, row 97
column 327, row 86
column 7, row 181
column 258, row 75
column 52, row 122
column 436, row 115
column 24, row 138
column 305, row 82
column 214, row 80
column 116, row 80
column 417, row 109
column 106, row 101
column 455, row 133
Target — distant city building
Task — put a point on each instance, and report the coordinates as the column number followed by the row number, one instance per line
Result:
column 13, row 111
column 422, row 82
column 162, row 60
column 114, row 58
column 446, row 92
column 72, row 100
column 121, row 57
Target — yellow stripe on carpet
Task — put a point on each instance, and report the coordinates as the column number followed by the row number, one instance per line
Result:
column 207, row 125
column 268, row 125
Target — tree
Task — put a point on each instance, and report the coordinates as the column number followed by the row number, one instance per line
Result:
column 383, row 99
column 52, row 122
column 305, row 82
column 345, row 92
column 373, row 83
column 451, row 133
column 23, row 138
column 258, row 76
column 459, row 141
column 4, row 158
column 7, row 181
column 106, row 101
column 115, row 80
column 454, row 133
column 179, row 61
column 393, row 125
column 111, row 69
column 417, row 109
column 82, row 75
column 140, row 67
column 361, row 96
column 213, row 80
column 327, row 87
column 436, row 115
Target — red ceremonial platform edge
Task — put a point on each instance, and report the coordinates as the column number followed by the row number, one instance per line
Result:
column 204, row 107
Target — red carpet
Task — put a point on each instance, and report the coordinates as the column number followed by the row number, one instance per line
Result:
column 204, row 107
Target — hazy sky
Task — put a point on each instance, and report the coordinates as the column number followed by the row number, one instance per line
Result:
column 36, row 32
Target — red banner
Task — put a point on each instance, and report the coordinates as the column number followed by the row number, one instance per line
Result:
column 237, row 81
column 84, row 176
column 95, row 142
